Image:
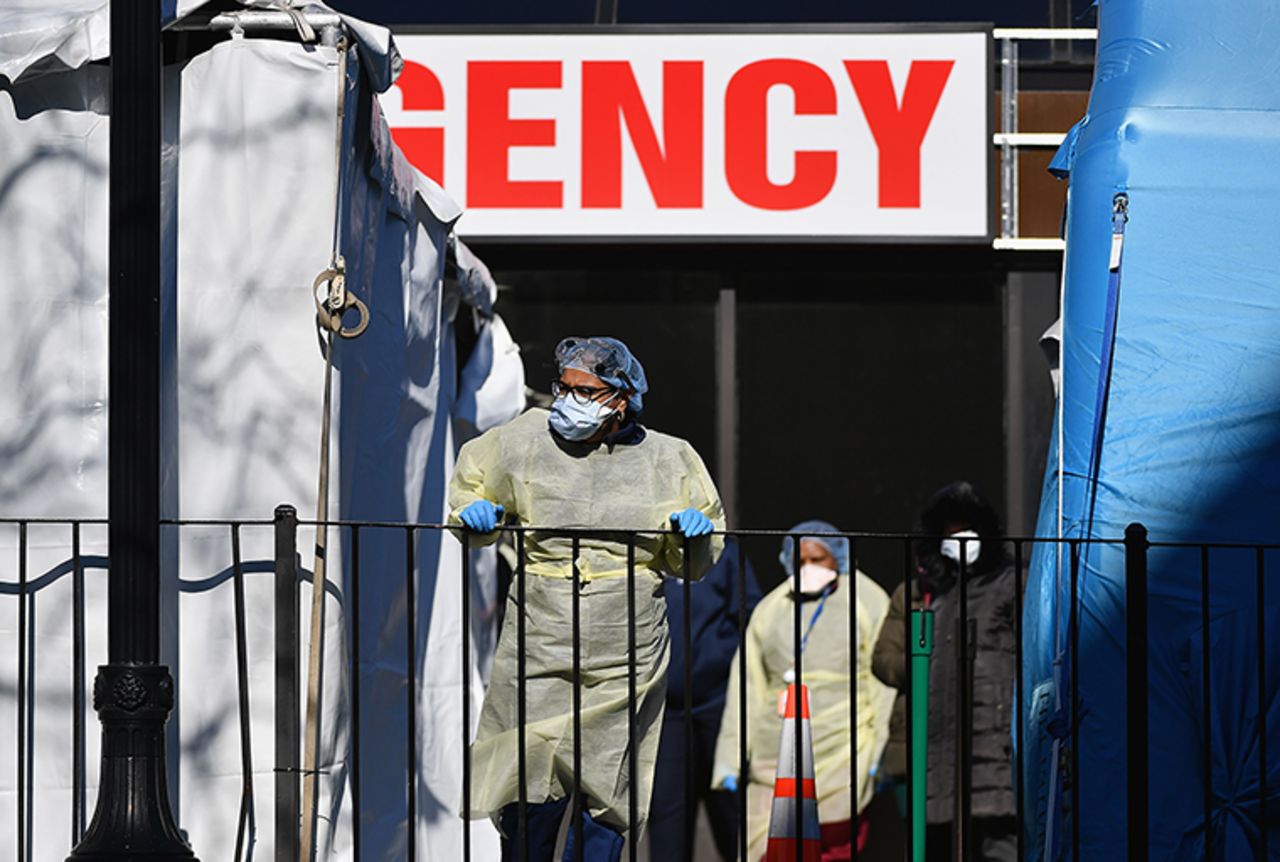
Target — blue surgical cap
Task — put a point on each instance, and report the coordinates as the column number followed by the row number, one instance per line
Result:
column 610, row 360
column 838, row 547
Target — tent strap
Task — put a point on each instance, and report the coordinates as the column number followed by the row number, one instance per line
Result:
column 336, row 301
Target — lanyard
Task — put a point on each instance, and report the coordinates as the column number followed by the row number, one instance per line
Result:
column 790, row 675
column 822, row 602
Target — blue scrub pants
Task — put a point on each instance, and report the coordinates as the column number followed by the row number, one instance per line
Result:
column 599, row 842
column 666, row 811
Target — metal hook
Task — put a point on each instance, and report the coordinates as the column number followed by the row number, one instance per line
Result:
column 337, row 302
column 1120, row 207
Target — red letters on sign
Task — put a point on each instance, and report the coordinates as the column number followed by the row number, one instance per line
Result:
column 670, row 153
column 899, row 130
column 747, row 141
column 491, row 133
column 421, row 91
column 611, row 97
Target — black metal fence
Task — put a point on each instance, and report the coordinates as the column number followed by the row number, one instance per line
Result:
column 290, row 576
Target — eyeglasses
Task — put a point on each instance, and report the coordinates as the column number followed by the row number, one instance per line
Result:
column 581, row 394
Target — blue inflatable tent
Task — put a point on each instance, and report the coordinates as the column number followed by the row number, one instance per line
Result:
column 1169, row 414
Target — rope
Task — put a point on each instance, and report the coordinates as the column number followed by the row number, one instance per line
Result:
column 331, row 305
column 311, row 746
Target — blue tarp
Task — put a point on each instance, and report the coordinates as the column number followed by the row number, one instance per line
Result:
column 1170, row 415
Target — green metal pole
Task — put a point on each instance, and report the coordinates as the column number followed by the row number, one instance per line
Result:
column 921, row 651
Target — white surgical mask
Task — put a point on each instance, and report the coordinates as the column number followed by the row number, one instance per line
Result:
column 972, row 548
column 813, row 578
column 574, row 421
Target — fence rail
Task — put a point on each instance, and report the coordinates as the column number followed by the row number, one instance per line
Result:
column 289, row 579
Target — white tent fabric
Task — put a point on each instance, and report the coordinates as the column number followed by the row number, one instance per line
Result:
column 54, row 34
column 250, row 196
column 53, row 136
column 54, row 254
column 256, row 195
column 491, row 391
column 57, row 35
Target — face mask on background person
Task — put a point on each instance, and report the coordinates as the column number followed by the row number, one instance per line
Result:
column 813, row 578
column 578, row 422
column 972, row 548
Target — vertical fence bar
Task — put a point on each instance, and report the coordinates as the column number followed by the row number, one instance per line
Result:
column 743, row 765
column 960, row 840
column 797, row 771
column 690, row 799
column 22, row 693
column 633, row 789
column 907, row 565
column 466, row 696
column 1020, row 710
column 354, row 611
column 1135, row 569
column 522, row 709
column 726, row 408
column 1206, row 702
column 1262, row 699
column 246, row 819
column 577, row 806
column 1073, row 627
column 854, row 794
column 1009, row 125
column 77, row 689
column 288, row 729
column 971, row 651
column 411, row 689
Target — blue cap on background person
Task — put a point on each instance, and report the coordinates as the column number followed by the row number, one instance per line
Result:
column 838, row 547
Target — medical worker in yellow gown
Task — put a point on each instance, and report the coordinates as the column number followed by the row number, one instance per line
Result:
column 828, row 593
column 586, row 463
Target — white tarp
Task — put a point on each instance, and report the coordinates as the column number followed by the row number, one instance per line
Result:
column 250, row 186
column 40, row 36
column 53, row 35
column 53, row 423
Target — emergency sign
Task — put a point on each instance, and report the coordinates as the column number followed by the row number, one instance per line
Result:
column 720, row 135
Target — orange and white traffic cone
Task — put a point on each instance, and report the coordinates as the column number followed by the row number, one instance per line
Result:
column 790, row 791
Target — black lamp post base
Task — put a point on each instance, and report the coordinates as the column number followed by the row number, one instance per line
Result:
column 132, row 821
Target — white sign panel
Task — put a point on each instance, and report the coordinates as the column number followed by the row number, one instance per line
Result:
column 722, row 135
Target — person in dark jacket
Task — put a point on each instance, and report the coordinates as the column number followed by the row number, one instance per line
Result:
column 715, row 635
column 958, row 523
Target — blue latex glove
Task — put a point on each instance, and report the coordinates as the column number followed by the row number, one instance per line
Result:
column 691, row 523
column 730, row 783
column 482, row 516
